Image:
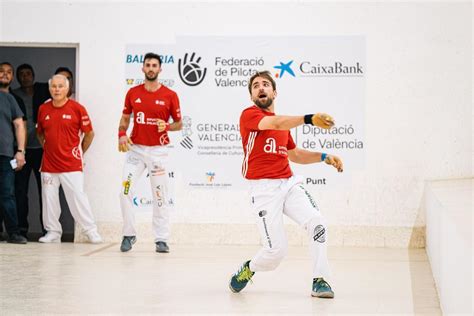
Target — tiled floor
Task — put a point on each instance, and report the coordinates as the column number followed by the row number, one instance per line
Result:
column 98, row 279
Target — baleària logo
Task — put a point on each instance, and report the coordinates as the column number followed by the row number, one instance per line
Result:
column 190, row 71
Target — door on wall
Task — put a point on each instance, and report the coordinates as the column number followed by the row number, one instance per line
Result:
column 44, row 61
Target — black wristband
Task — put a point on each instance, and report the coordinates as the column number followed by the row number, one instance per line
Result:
column 308, row 119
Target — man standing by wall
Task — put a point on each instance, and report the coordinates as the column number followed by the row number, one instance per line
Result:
column 33, row 95
column 10, row 114
column 6, row 78
column 60, row 123
column 152, row 105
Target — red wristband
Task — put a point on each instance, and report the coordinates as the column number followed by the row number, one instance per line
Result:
column 167, row 128
column 122, row 133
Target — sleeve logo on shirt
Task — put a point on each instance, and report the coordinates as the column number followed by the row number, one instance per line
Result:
column 85, row 120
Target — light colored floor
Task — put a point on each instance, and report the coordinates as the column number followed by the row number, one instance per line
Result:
column 98, row 279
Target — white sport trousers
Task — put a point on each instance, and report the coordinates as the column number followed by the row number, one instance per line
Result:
column 270, row 199
column 154, row 159
column 73, row 186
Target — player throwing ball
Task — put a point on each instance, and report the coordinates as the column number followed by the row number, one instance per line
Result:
column 274, row 190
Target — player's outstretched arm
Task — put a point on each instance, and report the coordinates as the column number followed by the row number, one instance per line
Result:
column 285, row 123
column 303, row 156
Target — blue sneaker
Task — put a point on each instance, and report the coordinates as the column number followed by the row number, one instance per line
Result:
column 162, row 247
column 239, row 280
column 127, row 243
column 321, row 289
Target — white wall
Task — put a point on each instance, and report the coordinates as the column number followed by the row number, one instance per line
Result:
column 418, row 98
column 448, row 206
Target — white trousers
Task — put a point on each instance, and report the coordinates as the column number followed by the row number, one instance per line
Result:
column 154, row 159
column 73, row 186
column 270, row 199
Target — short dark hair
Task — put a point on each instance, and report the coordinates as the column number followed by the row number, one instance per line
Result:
column 64, row 69
column 152, row 56
column 21, row 67
column 8, row 64
column 264, row 74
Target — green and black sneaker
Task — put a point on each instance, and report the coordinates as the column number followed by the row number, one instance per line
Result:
column 241, row 278
column 321, row 289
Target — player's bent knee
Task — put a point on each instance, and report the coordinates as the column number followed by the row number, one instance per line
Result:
column 276, row 255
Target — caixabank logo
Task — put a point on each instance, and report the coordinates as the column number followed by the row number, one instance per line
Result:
column 284, row 68
column 191, row 72
column 307, row 68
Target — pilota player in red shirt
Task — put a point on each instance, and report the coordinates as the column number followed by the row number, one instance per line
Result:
column 61, row 121
column 274, row 190
column 152, row 105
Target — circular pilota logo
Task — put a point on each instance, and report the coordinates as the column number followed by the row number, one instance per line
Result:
column 190, row 72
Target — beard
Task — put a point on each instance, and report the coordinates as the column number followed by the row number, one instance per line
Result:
column 151, row 78
column 264, row 105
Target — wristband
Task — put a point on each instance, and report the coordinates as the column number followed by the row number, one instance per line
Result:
column 308, row 119
column 122, row 133
column 323, row 156
column 167, row 128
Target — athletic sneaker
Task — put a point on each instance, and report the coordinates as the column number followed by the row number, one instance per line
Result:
column 50, row 238
column 94, row 237
column 239, row 280
column 321, row 289
column 127, row 243
column 162, row 247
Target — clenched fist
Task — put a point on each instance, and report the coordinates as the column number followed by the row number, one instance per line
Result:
column 334, row 161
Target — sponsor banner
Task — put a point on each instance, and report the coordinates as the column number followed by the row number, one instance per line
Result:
column 210, row 75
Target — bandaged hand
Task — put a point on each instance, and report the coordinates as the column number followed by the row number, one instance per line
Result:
column 123, row 143
column 321, row 120
column 334, row 161
column 163, row 126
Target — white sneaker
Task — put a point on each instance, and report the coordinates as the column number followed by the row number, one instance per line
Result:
column 50, row 238
column 94, row 237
